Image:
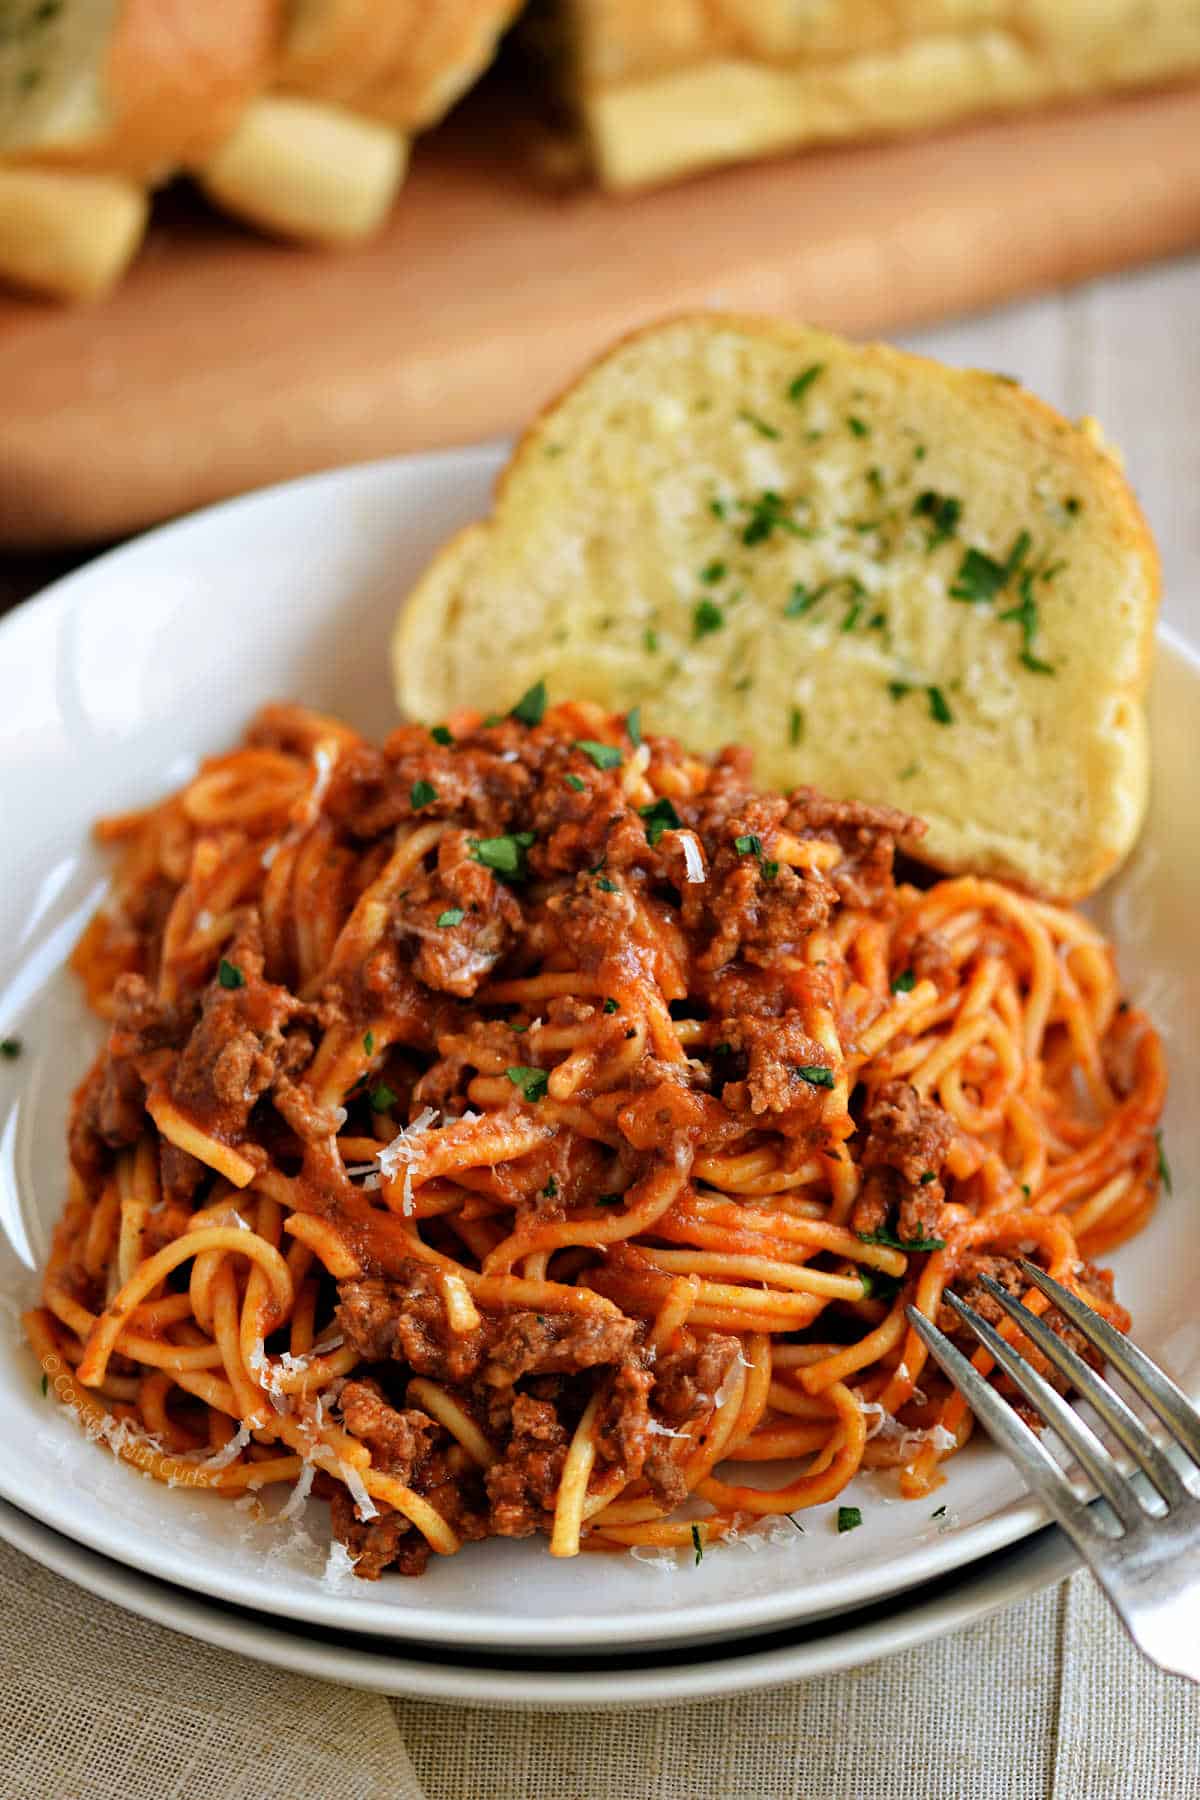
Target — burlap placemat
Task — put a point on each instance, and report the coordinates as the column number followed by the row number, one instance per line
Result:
column 1046, row 1700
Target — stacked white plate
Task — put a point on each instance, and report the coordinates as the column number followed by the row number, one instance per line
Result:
column 112, row 684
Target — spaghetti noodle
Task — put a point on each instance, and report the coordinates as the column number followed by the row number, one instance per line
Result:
column 525, row 1127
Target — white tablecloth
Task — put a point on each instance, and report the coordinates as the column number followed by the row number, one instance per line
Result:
column 1044, row 1700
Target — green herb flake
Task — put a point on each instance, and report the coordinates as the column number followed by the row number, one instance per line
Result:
column 940, row 1513
column 927, row 1175
column 633, row 726
column 795, row 725
column 801, row 383
column 1025, row 614
column 45, row 1386
column 650, row 640
column 889, row 1239
column 453, row 915
column 816, row 1075
column 1026, row 1189
column 381, row 1097
column 550, row 1191
column 718, row 508
column 531, row 1082
column 759, row 425
column 604, row 756
column 422, row 793
column 875, row 479
column 749, row 845
column 609, row 1199
column 697, row 1545
column 713, row 572
column 943, row 512
column 10, row 1048
column 504, row 855
column 1073, row 505
column 1164, row 1167
column 979, row 578
column 606, row 886
column 898, row 689
column 853, row 613
column 229, row 975
column 576, row 782
column 906, row 774
column 768, row 514
column 859, row 427
column 706, row 618
column 659, row 816
column 441, row 734
column 849, row 1518
column 939, row 710
column 802, row 599
column 531, row 707
column 369, row 1043
column 904, row 982
column 878, row 1286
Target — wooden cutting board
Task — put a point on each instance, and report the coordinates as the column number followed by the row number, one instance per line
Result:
column 226, row 361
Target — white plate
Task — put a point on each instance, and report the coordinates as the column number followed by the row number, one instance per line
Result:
column 426, row 1672
column 110, row 685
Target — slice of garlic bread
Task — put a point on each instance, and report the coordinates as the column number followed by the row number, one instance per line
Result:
column 895, row 581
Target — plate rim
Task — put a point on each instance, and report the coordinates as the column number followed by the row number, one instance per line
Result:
column 726, row 1617
column 725, row 1670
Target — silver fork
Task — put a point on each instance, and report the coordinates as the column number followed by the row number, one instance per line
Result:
column 1150, row 1566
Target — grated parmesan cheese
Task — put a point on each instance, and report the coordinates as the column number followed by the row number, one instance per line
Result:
column 693, row 860
column 655, row 1429
column 364, row 1506
column 221, row 1459
column 299, row 1495
column 339, row 1566
column 654, row 1558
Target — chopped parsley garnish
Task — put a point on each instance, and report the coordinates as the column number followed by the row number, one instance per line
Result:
column 575, row 781
column 939, row 710
column 381, row 1097
column 609, row 1199
column 802, row 599
column 650, row 640
column 659, row 816
column 610, row 1005
column 532, row 1082
column 633, row 726
column 453, row 915
column 706, row 617
column 369, row 1043
column 550, row 1189
column 45, row 1386
column 10, row 1048
column 697, row 1544
column 904, row 983
column 907, row 774
column 1164, row 1167
column 1026, row 616
column 980, row 577
column 940, row 1513
column 718, row 508
column 878, row 1286
column 898, row 689
column 887, row 1237
column 803, row 381
column 759, row 425
column 1073, row 504
column 849, row 1518
column 422, row 793
column 767, row 514
column 604, row 756
column 816, row 1075
column 504, row 855
column 927, row 1175
column 532, row 704
column 795, row 725
column 943, row 512
column 713, row 572
column 441, row 734
column 859, row 427
column 853, row 612
column 229, row 975
column 606, row 886
column 749, row 845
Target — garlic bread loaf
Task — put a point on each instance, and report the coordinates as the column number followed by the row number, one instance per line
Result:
column 661, row 90
column 893, row 580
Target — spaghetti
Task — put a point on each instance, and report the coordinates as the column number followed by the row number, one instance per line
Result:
column 525, row 1127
